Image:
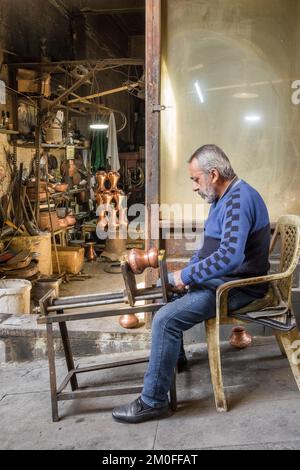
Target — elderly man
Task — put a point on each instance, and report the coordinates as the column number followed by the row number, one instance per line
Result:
column 236, row 245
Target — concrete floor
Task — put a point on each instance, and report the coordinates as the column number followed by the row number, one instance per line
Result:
column 263, row 397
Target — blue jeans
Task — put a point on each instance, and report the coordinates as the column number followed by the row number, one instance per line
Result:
column 168, row 324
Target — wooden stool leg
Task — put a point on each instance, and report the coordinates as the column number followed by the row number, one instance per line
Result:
column 68, row 353
column 280, row 344
column 173, row 393
column 291, row 345
column 213, row 347
column 52, row 372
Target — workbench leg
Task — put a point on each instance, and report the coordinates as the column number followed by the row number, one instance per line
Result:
column 173, row 393
column 52, row 372
column 68, row 353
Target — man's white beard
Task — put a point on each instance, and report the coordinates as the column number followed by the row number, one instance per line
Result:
column 209, row 195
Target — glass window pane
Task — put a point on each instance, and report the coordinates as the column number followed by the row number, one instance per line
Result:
column 227, row 73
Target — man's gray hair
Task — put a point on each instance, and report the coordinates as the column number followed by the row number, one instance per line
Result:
column 211, row 157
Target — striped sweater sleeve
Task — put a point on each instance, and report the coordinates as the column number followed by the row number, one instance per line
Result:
column 236, row 226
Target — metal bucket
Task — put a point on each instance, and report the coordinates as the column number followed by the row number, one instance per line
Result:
column 42, row 287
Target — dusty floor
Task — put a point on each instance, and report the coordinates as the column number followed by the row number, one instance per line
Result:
column 263, row 397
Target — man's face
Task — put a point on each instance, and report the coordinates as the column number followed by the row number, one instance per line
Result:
column 202, row 183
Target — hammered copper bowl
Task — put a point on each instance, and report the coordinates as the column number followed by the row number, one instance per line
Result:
column 60, row 188
column 62, row 223
column 139, row 260
column 71, row 220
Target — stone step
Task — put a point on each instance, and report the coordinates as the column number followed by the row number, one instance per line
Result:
column 22, row 339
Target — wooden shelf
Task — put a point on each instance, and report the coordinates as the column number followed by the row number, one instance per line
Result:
column 50, row 146
column 7, row 131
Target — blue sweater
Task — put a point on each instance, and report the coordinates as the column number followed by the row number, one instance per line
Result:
column 236, row 240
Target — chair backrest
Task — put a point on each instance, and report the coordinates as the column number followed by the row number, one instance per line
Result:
column 288, row 231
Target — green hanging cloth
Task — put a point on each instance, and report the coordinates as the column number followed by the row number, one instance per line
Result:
column 99, row 149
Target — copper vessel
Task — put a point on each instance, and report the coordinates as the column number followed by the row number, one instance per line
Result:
column 123, row 219
column 99, row 199
column 114, row 178
column 63, row 223
column 119, row 197
column 129, row 321
column 61, row 187
column 71, row 220
column 113, row 219
column 90, row 254
column 72, row 168
column 107, row 198
column 83, row 197
column 101, row 177
column 139, row 260
column 240, row 338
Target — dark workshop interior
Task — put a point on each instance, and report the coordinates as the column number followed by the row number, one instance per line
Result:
column 102, row 106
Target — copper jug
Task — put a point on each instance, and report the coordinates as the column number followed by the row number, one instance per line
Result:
column 91, row 254
column 129, row 321
column 101, row 177
column 240, row 338
column 102, row 221
column 114, row 178
column 99, row 199
column 123, row 219
column 119, row 197
column 113, row 219
column 139, row 260
column 107, row 198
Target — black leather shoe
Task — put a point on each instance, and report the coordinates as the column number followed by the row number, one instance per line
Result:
column 136, row 412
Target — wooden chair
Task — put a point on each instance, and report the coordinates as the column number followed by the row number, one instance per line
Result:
column 274, row 310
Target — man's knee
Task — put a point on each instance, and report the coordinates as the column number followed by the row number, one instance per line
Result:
column 163, row 317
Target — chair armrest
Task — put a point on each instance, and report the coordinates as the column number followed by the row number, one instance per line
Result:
column 223, row 290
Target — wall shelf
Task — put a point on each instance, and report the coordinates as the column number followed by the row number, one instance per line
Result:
column 50, row 146
column 7, row 131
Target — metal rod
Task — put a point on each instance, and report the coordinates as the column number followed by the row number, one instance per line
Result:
column 97, row 392
column 88, row 298
column 53, row 318
column 111, row 365
column 54, row 308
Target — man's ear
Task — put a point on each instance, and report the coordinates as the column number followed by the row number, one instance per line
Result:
column 215, row 175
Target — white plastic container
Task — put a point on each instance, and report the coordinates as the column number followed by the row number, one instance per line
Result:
column 15, row 296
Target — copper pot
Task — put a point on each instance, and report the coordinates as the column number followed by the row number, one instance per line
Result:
column 60, row 188
column 139, row 260
column 63, row 223
column 101, row 177
column 240, row 339
column 71, row 220
column 114, row 178
column 129, row 321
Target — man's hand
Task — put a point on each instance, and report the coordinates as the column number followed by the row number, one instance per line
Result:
column 178, row 281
